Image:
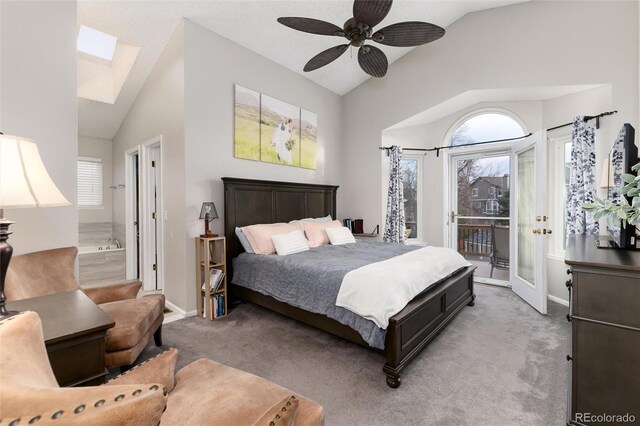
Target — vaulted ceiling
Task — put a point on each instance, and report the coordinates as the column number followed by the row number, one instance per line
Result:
column 252, row 24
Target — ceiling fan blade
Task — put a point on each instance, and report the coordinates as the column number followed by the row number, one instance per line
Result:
column 313, row 26
column 371, row 12
column 407, row 34
column 325, row 57
column 373, row 61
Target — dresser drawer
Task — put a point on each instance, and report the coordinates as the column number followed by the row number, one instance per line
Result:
column 606, row 370
column 609, row 296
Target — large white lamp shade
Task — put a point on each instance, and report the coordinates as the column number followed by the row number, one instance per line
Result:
column 24, row 181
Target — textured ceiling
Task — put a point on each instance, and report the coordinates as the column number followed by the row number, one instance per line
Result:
column 252, row 24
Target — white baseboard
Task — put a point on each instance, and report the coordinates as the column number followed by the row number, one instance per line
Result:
column 175, row 309
column 191, row 313
column 558, row 300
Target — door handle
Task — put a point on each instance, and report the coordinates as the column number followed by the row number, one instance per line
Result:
column 547, row 231
column 537, row 231
column 453, row 216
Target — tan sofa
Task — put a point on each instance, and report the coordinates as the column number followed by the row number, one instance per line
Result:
column 53, row 271
column 202, row 393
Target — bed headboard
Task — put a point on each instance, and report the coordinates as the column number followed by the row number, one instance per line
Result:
column 248, row 202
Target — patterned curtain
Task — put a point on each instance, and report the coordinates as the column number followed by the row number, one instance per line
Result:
column 394, row 226
column 582, row 184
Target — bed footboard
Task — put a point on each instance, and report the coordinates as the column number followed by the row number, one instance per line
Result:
column 411, row 330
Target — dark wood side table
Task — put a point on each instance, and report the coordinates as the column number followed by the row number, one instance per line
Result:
column 74, row 333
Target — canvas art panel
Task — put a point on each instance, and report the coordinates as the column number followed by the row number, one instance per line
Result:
column 247, row 124
column 308, row 140
column 279, row 132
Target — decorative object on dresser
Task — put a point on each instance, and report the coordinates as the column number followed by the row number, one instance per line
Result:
column 202, row 393
column 208, row 212
column 604, row 311
column 74, row 329
column 211, row 277
column 24, row 183
column 137, row 319
column 249, row 202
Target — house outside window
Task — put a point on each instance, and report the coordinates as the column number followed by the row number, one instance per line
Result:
column 474, row 192
column 492, row 191
column 90, row 183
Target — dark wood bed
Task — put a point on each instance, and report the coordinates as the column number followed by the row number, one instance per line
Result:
column 249, row 202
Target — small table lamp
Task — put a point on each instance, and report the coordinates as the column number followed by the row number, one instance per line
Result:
column 24, row 183
column 208, row 212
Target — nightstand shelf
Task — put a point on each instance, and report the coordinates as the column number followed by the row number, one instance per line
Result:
column 211, row 252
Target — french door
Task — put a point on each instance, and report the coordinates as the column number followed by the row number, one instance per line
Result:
column 528, row 275
column 497, row 217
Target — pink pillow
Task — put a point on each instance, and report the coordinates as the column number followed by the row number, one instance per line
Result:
column 315, row 232
column 259, row 236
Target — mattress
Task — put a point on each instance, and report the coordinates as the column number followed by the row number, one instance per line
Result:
column 311, row 280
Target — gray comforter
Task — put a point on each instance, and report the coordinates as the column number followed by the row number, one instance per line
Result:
column 311, row 280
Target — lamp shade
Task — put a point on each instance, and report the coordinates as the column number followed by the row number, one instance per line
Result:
column 209, row 207
column 24, row 181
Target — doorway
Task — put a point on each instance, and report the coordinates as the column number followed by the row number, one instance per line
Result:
column 144, row 214
column 480, row 213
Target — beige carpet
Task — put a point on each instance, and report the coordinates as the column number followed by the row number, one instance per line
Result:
column 497, row 363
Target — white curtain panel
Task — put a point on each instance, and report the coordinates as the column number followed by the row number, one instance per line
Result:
column 395, row 225
column 582, row 184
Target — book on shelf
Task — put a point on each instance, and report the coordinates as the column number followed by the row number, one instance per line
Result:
column 215, row 280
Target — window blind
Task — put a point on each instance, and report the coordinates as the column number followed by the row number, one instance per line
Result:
column 89, row 182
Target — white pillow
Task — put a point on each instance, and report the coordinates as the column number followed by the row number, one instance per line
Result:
column 340, row 236
column 243, row 240
column 327, row 218
column 290, row 243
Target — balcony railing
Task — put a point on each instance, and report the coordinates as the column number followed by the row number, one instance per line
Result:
column 475, row 240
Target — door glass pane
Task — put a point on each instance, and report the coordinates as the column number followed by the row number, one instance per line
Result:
column 482, row 231
column 410, row 190
column 526, row 215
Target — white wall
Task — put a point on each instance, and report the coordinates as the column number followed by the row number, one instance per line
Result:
column 212, row 65
column 103, row 149
column 530, row 44
column 38, row 101
column 159, row 110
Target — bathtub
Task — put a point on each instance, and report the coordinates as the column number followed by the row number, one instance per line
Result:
column 101, row 264
column 98, row 249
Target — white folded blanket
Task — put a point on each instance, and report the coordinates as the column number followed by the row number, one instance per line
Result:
column 380, row 290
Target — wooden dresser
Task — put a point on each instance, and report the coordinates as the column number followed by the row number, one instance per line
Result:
column 605, row 333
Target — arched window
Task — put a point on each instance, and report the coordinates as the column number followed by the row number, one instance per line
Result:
column 486, row 127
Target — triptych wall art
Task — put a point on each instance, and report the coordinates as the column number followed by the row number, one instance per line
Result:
column 272, row 131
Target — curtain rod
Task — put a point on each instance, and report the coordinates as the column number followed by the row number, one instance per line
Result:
column 587, row 118
column 438, row 148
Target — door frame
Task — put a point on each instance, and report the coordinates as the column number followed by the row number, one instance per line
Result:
column 129, row 203
column 147, row 230
column 450, row 204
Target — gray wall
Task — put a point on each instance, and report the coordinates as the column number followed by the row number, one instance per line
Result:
column 38, row 101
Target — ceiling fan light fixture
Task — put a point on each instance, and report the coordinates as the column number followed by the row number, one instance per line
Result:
column 358, row 29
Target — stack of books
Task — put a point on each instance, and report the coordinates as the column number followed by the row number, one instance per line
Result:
column 214, row 280
column 355, row 225
column 217, row 300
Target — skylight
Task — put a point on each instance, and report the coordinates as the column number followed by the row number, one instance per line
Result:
column 96, row 43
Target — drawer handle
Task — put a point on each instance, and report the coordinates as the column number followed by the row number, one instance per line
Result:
column 569, row 283
column 568, row 317
column 569, row 272
column 569, row 358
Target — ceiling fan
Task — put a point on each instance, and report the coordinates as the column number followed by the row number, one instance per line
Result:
column 359, row 29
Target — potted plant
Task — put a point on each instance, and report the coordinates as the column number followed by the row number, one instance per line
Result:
column 624, row 211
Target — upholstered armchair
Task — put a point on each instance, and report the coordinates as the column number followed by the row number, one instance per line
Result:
column 53, row 271
column 202, row 393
